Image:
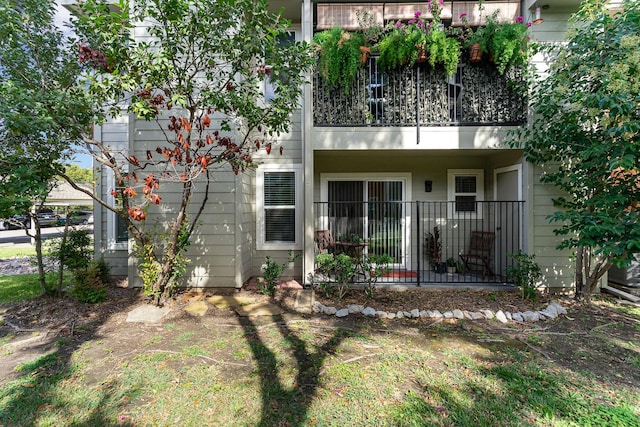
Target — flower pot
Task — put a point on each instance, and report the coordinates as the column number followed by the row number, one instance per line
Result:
column 475, row 53
column 365, row 52
column 440, row 267
column 422, row 56
column 451, row 270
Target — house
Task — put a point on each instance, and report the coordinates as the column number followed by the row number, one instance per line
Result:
column 404, row 156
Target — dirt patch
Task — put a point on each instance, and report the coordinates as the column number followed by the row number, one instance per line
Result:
column 596, row 338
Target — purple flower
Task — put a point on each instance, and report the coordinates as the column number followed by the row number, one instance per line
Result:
column 463, row 15
column 417, row 14
column 398, row 24
column 519, row 19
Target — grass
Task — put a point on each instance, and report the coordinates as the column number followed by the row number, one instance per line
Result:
column 19, row 287
column 400, row 382
column 17, row 251
column 197, row 372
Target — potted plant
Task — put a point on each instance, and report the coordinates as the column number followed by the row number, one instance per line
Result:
column 453, row 266
column 510, row 44
column 339, row 56
column 433, row 249
column 420, row 41
column 371, row 31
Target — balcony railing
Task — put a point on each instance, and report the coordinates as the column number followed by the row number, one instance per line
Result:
column 423, row 96
column 404, row 231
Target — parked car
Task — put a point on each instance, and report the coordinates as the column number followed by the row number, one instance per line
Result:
column 48, row 218
column 80, row 217
column 17, row 222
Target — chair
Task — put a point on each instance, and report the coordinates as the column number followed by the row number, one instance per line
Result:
column 477, row 259
column 324, row 241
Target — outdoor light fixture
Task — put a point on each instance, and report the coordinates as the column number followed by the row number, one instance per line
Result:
column 428, row 185
column 539, row 19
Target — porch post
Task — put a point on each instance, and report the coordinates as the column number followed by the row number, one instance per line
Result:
column 307, row 156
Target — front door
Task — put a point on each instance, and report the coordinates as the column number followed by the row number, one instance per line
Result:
column 508, row 185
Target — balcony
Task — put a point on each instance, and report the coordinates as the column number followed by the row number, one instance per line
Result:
column 476, row 95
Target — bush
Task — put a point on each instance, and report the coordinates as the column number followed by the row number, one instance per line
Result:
column 74, row 251
column 524, row 273
column 88, row 285
column 271, row 271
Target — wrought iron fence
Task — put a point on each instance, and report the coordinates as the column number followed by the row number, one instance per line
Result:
column 476, row 239
column 421, row 95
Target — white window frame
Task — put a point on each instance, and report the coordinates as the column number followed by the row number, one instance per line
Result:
column 112, row 237
column 451, row 191
column 261, row 244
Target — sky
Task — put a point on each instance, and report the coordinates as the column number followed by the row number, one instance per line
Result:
column 62, row 17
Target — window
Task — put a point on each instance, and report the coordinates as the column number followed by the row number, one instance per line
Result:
column 118, row 235
column 465, row 189
column 270, row 85
column 279, row 196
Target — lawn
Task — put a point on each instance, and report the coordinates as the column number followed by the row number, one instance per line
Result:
column 303, row 370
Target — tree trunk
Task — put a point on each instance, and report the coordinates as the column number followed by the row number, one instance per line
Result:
column 38, row 244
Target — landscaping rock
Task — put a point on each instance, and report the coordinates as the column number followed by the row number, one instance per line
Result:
column 476, row 315
column 559, row 309
column 424, row 313
column 342, row 312
column 329, row 310
column 458, row 314
column 448, row 315
column 488, row 314
column 355, row 308
column 369, row 311
column 501, row 317
column 415, row 313
column 517, row 317
column 437, row 314
column 317, row 307
column 381, row 314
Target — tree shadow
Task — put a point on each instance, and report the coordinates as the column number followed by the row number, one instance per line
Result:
column 283, row 405
column 39, row 395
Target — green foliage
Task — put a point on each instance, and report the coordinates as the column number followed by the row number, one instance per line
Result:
column 442, row 50
column 339, row 56
column 78, row 174
column 88, row 285
column 525, row 272
column 584, row 137
column 350, row 238
column 74, row 251
column 149, row 269
column 375, row 266
column 509, row 44
column 399, row 47
column 339, row 268
column 433, row 247
column 271, row 271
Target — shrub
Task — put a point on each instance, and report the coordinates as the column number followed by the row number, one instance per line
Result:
column 88, row 285
column 524, row 273
column 271, row 271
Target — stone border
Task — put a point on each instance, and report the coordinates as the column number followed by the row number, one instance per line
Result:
column 553, row 310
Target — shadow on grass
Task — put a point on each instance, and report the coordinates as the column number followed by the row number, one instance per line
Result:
column 41, row 395
column 282, row 405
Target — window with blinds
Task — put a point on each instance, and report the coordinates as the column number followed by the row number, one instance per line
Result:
column 279, row 207
column 465, row 189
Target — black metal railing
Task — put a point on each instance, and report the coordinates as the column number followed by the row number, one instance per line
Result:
column 406, row 231
column 422, row 95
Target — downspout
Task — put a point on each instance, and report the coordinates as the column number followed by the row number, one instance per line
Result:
column 418, row 107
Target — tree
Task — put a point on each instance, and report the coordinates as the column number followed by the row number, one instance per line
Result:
column 197, row 75
column 585, row 136
column 78, row 174
column 37, row 86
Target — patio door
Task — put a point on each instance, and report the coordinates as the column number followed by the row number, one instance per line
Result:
column 371, row 209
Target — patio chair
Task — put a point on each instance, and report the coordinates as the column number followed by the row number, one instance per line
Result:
column 324, row 241
column 477, row 259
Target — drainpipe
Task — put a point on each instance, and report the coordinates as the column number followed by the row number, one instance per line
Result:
column 418, row 108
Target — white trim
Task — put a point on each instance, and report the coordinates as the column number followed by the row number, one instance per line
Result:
column 261, row 245
column 112, row 243
column 451, row 185
column 518, row 168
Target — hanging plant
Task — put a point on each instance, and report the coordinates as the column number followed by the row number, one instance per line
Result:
column 339, row 56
